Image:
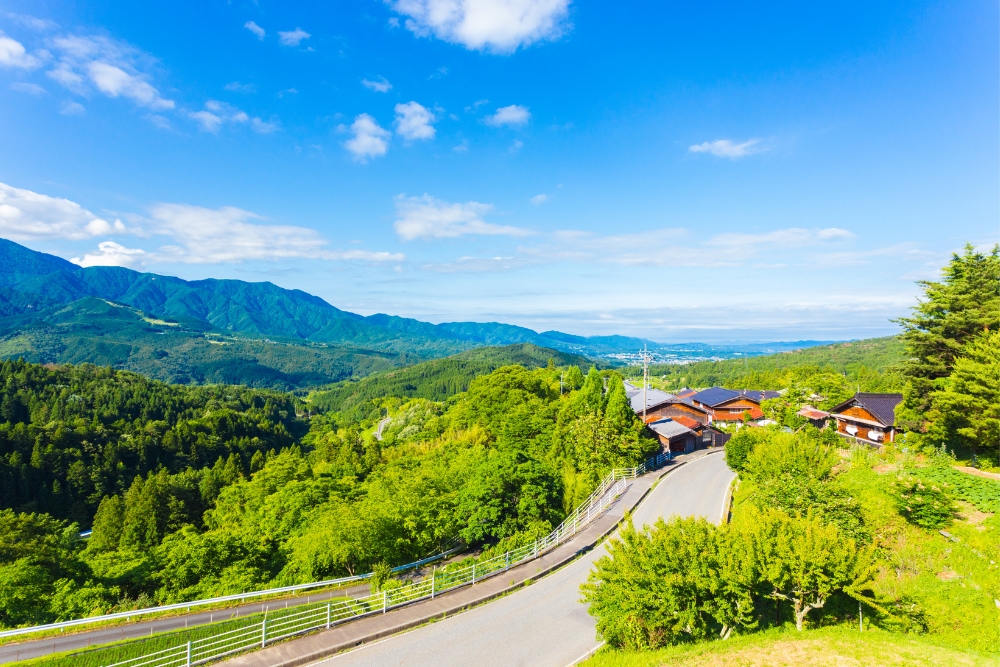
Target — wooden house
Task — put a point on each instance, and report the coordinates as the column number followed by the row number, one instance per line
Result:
column 817, row 418
column 731, row 404
column 868, row 417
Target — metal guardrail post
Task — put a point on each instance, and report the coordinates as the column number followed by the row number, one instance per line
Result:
column 263, row 631
column 385, row 600
column 473, row 574
column 433, row 572
column 506, row 565
column 327, row 615
column 188, row 661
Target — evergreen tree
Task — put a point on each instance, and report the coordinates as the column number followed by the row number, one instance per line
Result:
column 964, row 304
column 591, row 397
column 618, row 414
column 967, row 411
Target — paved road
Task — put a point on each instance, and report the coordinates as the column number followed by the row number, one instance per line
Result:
column 544, row 624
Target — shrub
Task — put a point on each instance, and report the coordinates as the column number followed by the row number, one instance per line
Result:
column 925, row 505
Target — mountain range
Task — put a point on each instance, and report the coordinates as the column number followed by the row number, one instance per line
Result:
column 257, row 333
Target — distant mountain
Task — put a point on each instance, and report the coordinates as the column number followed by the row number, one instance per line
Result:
column 54, row 310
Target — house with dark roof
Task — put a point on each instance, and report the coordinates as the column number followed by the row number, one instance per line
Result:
column 732, row 404
column 661, row 405
column 674, row 436
column 868, row 417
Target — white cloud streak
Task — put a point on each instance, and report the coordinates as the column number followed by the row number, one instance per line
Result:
column 112, row 67
column 293, row 37
column 30, row 216
column 380, row 85
column 728, row 149
column 13, row 55
column 429, row 218
column 413, row 121
column 255, row 29
column 514, row 114
column 110, row 253
column 498, row 26
column 370, row 140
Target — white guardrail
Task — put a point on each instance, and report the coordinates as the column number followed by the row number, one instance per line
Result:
column 318, row 616
column 127, row 615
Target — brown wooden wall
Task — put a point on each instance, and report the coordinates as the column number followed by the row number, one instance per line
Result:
column 676, row 410
column 859, row 412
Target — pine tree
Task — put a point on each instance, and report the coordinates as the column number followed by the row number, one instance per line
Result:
column 954, row 311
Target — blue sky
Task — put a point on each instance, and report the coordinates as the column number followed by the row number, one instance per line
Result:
column 680, row 171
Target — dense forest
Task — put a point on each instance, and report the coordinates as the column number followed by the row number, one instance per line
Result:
column 201, row 491
column 434, row 380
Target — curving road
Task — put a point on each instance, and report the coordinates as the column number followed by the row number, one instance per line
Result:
column 544, row 624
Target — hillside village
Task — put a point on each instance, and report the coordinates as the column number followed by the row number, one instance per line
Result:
column 690, row 419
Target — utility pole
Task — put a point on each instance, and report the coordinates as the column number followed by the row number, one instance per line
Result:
column 561, row 376
column 645, row 380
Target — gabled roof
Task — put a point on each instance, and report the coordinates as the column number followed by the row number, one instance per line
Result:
column 669, row 428
column 883, row 406
column 719, row 395
column 688, row 422
column 809, row 412
column 714, row 396
column 654, row 397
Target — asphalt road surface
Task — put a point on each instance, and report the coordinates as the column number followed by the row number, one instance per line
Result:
column 544, row 624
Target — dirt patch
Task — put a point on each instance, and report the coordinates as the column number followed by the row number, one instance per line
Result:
column 885, row 467
column 979, row 473
column 969, row 514
column 948, row 575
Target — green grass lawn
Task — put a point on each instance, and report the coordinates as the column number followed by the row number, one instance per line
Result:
column 824, row 647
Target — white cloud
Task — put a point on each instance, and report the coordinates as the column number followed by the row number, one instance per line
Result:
column 540, row 199
column 113, row 68
column 255, row 29
column 215, row 113
column 210, row 236
column 72, row 109
column 237, row 87
column 509, row 115
column 381, row 85
column 413, row 121
column 737, row 244
column 208, row 120
column 114, row 81
column 27, row 216
column 369, row 140
column 110, row 253
column 293, row 37
column 13, row 54
column 264, row 127
column 429, row 218
column 32, row 22
column 726, row 148
column 29, row 88
column 499, row 26
column 516, row 146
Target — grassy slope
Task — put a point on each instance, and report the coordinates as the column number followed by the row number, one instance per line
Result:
column 827, row 647
column 953, row 583
column 435, row 380
column 873, row 354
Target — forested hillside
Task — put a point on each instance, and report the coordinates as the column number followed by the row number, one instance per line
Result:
column 434, row 380
column 203, row 491
column 875, row 363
